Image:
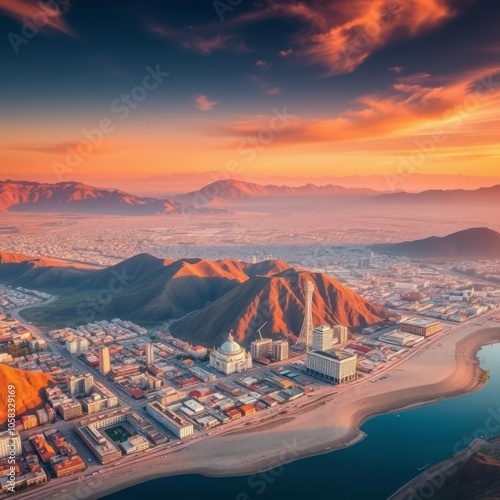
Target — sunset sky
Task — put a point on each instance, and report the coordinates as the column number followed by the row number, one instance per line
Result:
column 260, row 88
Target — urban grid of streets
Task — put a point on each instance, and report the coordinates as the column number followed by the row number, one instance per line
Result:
column 57, row 487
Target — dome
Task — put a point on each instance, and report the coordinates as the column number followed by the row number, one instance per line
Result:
column 230, row 345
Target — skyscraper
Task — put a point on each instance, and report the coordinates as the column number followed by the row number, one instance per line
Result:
column 150, row 355
column 341, row 333
column 104, row 361
column 81, row 385
column 322, row 338
column 280, row 350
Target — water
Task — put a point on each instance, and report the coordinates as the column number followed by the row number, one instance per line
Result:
column 395, row 447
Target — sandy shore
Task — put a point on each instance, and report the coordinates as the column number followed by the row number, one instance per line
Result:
column 446, row 367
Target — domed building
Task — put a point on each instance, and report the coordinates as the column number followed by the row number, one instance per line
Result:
column 230, row 357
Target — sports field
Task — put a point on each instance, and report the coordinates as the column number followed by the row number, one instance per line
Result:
column 118, row 433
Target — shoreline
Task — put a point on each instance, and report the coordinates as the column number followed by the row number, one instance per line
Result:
column 452, row 369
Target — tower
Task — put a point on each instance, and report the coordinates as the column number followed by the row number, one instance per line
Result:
column 305, row 336
column 150, row 356
column 104, row 361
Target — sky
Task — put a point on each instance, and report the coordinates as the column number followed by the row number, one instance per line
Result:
column 109, row 89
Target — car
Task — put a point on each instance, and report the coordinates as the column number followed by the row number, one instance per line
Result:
column 94, row 473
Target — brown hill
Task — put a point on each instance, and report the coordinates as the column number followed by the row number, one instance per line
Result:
column 25, row 270
column 279, row 300
column 24, row 196
column 142, row 288
column 478, row 242
column 28, row 387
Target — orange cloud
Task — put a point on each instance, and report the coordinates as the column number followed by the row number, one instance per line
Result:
column 43, row 15
column 345, row 33
column 457, row 103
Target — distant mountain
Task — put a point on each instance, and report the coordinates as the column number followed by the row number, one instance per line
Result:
column 279, row 300
column 482, row 196
column 29, row 386
column 23, row 196
column 235, row 191
column 210, row 296
column 474, row 243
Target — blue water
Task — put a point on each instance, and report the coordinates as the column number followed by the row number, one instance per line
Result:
column 372, row 469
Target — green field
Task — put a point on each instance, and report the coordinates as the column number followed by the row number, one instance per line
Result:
column 118, row 434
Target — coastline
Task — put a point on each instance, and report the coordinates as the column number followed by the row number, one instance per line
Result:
column 448, row 367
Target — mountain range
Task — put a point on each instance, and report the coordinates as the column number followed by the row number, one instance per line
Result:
column 473, row 243
column 206, row 297
column 23, row 196
column 235, row 191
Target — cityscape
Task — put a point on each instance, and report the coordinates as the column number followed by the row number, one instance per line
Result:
column 249, row 250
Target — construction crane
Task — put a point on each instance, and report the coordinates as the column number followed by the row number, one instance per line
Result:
column 259, row 329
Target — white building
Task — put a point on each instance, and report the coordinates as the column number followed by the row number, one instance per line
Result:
column 322, row 338
column 77, row 345
column 332, row 366
column 10, row 445
column 230, row 357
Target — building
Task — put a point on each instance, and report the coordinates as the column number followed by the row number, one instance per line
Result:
column 261, row 348
column 104, row 360
column 77, row 345
column 150, row 354
column 81, row 385
column 169, row 395
column 280, row 350
column 44, row 450
column 101, row 399
column 29, row 421
column 42, row 416
column 134, row 444
column 10, row 444
column 101, row 445
column 230, row 357
column 332, row 366
column 341, row 333
column 422, row 327
column 322, row 338
column 173, row 422
column 69, row 410
column 67, row 466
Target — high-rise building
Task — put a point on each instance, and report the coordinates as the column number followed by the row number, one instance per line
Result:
column 10, row 444
column 280, row 350
column 150, row 354
column 104, row 360
column 322, row 338
column 333, row 366
column 77, row 345
column 261, row 348
column 81, row 385
column 341, row 333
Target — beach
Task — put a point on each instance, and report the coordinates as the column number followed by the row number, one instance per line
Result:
column 446, row 367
